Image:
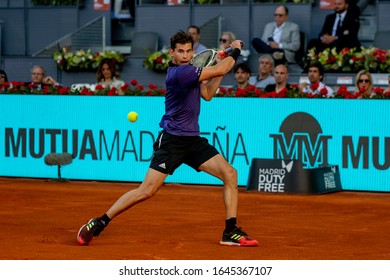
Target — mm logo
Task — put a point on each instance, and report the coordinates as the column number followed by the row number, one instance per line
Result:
column 301, row 138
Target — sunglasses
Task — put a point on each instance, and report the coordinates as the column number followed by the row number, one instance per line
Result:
column 2, row 76
column 223, row 40
column 365, row 81
column 278, row 15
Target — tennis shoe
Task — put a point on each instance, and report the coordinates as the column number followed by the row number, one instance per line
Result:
column 90, row 230
column 238, row 237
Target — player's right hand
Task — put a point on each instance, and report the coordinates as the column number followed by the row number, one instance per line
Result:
column 237, row 44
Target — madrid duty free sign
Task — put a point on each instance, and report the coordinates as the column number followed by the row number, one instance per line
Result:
column 288, row 176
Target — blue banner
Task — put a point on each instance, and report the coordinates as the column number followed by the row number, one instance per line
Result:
column 353, row 134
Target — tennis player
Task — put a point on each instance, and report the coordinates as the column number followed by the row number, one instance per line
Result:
column 179, row 141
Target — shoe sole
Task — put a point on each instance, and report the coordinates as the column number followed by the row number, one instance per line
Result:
column 79, row 239
column 229, row 243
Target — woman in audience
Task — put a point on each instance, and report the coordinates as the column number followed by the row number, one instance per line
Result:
column 3, row 79
column 364, row 85
column 226, row 39
column 108, row 77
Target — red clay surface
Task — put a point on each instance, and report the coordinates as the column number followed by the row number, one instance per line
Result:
column 40, row 220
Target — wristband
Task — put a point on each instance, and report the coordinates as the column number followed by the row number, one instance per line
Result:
column 235, row 53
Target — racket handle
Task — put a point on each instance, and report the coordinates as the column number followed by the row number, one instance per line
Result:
column 225, row 53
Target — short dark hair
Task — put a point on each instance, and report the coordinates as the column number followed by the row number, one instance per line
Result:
column 243, row 66
column 181, row 37
column 284, row 7
column 2, row 72
column 319, row 67
column 194, row 26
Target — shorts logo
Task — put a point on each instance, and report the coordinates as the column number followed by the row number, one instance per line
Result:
column 162, row 165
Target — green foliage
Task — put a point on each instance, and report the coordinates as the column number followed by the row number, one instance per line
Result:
column 84, row 60
column 158, row 61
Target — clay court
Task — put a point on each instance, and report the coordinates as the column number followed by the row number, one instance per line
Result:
column 40, row 220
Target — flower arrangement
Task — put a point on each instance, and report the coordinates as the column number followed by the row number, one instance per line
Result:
column 129, row 89
column 84, row 60
column 295, row 92
column 133, row 88
column 158, row 61
column 350, row 59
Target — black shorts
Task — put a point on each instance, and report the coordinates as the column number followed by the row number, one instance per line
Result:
column 170, row 151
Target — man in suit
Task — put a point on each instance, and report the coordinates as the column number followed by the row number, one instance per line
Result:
column 39, row 79
column 340, row 29
column 280, row 38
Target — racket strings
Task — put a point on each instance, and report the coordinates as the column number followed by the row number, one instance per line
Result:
column 203, row 58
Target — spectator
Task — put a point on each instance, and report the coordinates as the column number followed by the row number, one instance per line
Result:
column 108, row 77
column 281, row 38
column 226, row 39
column 195, row 33
column 39, row 79
column 364, row 85
column 241, row 76
column 3, row 78
column 387, row 90
column 281, row 76
column 340, row 29
column 264, row 78
column 315, row 85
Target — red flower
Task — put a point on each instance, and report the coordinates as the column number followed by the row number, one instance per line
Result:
column 152, row 86
column 112, row 92
column 63, row 91
column 258, row 92
column 134, row 82
column 324, row 91
column 222, row 91
column 345, row 51
column 241, row 92
column 158, row 60
column 250, row 88
column 99, row 87
column 314, row 86
column 124, row 86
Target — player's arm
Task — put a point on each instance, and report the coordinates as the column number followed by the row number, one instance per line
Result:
column 223, row 67
column 208, row 88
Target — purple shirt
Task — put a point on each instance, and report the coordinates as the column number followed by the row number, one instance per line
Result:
column 182, row 100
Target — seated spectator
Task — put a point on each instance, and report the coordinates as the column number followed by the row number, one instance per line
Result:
column 195, row 33
column 226, row 39
column 281, row 38
column 241, row 76
column 281, row 76
column 364, row 85
column 340, row 29
column 264, row 78
column 3, row 78
column 39, row 79
column 108, row 77
column 387, row 90
column 315, row 85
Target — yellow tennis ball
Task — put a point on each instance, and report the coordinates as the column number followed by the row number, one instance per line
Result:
column 132, row 116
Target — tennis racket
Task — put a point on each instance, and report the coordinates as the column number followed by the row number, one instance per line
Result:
column 207, row 57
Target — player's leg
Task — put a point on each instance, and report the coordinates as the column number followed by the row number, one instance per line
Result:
column 151, row 184
column 220, row 168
